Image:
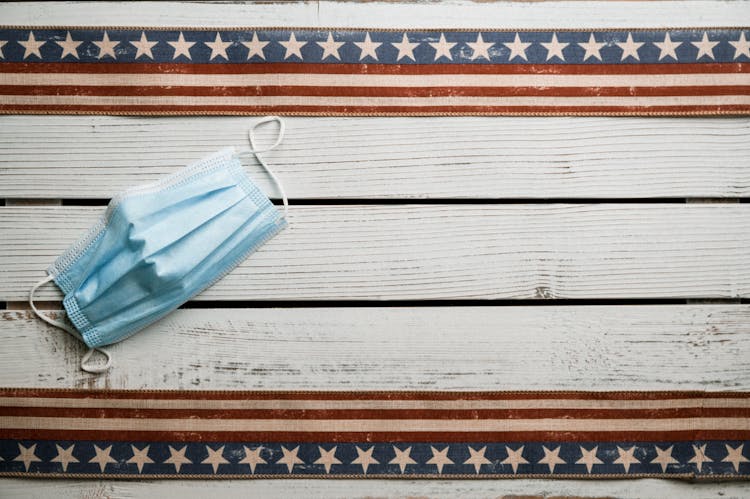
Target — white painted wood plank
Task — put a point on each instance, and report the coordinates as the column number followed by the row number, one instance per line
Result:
column 572, row 14
column 667, row 347
column 386, row 252
column 282, row 489
column 97, row 156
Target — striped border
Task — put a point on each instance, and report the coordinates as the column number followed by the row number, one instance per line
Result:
column 259, row 434
column 306, row 71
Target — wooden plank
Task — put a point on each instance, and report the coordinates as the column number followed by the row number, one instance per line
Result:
column 571, row 14
column 387, row 252
column 635, row 347
column 98, row 156
column 507, row 489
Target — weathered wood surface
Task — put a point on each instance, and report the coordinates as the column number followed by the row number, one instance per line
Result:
column 408, row 14
column 387, row 252
column 509, row 158
column 557, row 251
column 645, row 347
column 313, row 489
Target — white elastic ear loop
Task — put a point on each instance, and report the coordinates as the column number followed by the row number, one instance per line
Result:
column 254, row 150
column 94, row 369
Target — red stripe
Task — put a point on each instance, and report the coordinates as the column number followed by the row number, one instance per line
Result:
column 258, row 91
column 301, row 414
column 159, row 109
column 364, row 395
column 385, row 69
column 373, row 437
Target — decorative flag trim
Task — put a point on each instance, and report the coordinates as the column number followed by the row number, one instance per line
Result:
column 260, row 434
column 374, row 72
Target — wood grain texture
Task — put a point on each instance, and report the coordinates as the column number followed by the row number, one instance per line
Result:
column 655, row 253
column 646, row 347
column 387, row 252
column 334, row 158
column 364, row 489
column 473, row 14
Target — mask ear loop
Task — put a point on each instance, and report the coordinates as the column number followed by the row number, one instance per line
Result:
column 253, row 149
column 94, row 369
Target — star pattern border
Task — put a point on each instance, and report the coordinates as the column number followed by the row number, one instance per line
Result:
column 337, row 46
column 728, row 459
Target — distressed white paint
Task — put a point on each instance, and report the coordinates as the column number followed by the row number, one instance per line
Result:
column 386, row 252
column 410, row 348
column 313, row 489
column 97, row 156
column 490, row 15
column 667, row 347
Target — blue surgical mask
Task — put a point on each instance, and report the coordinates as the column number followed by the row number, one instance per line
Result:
column 159, row 245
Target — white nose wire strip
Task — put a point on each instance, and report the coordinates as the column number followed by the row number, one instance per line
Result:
column 256, row 151
column 94, row 369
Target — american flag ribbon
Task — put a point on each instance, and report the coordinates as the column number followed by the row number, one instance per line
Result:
column 304, row 71
column 252, row 434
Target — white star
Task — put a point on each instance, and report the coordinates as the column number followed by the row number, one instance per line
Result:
column 330, row 47
column 368, row 47
column 252, row 458
column 290, row 458
column 327, row 458
column 255, row 46
column 365, row 459
column 517, row 48
column 215, row 458
column 741, row 46
column 705, row 47
column 140, row 457
column 181, row 47
column 480, row 48
column 64, row 457
column 664, row 458
column 555, row 48
column 700, row 456
column 177, row 457
column 106, row 47
column 477, row 458
column 667, row 48
column 102, row 457
column 218, row 47
column 626, row 458
column 443, row 48
column 293, row 47
column 402, row 458
column 69, row 46
column 630, row 48
column 31, row 46
column 735, row 457
column 439, row 458
column 515, row 457
column 551, row 458
column 144, row 46
column 27, row 456
column 2, row 42
column 405, row 48
column 588, row 457
column 592, row 48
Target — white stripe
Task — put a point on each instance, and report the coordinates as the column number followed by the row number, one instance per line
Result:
column 415, row 102
column 376, row 80
column 374, row 425
column 372, row 404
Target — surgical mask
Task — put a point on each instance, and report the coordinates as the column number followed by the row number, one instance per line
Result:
column 159, row 245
